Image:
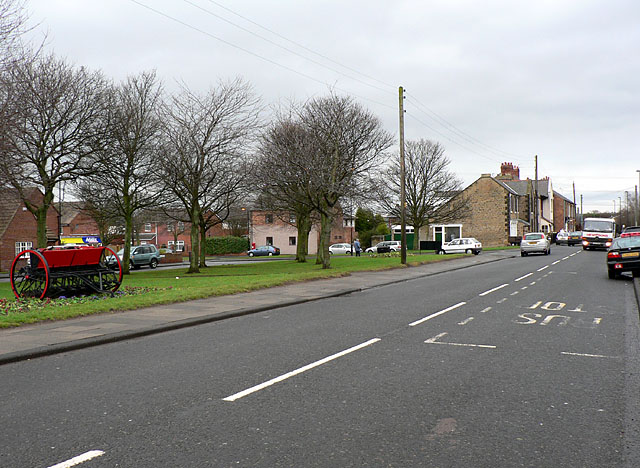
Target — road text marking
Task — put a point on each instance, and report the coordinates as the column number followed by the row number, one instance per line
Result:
column 435, row 339
column 429, row 317
column 523, row 277
column 79, row 459
column 494, row 289
column 282, row 377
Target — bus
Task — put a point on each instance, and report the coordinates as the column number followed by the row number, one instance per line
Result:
column 598, row 233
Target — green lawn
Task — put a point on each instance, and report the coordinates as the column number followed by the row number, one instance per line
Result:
column 164, row 286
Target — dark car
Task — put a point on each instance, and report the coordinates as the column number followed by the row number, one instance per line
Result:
column 624, row 255
column 264, row 250
column 630, row 231
column 575, row 238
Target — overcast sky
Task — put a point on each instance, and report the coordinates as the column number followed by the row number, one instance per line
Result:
column 493, row 81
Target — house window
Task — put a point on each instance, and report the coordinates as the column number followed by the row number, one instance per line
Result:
column 179, row 247
column 147, row 227
column 22, row 246
column 292, row 240
column 269, row 240
column 169, row 227
column 337, row 237
column 226, row 225
column 268, row 219
column 292, row 219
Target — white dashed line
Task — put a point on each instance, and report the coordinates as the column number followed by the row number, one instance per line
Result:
column 504, row 299
column 556, row 262
column 79, row 459
column 565, row 258
column 494, row 289
column 464, row 322
column 429, row 317
column 543, row 268
column 486, row 310
column 590, row 355
column 282, row 377
column 523, row 277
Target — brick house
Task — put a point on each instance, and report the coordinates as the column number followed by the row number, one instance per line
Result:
column 564, row 213
column 18, row 227
column 279, row 229
column 497, row 214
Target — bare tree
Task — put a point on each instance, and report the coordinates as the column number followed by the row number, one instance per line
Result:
column 347, row 142
column 429, row 187
column 203, row 164
column 125, row 175
column 282, row 176
column 13, row 19
column 55, row 112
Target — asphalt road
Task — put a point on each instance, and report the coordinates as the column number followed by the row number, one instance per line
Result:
column 524, row 362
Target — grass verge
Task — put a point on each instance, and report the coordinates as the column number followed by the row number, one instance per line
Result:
column 165, row 286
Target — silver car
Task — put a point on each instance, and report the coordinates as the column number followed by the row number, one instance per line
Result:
column 535, row 242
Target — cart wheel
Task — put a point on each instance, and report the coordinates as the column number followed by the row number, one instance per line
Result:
column 32, row 279
column 113, row 279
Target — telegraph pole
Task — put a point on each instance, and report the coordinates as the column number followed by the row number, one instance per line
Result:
column 403, row 230
column 535, row 204
column 574, row 207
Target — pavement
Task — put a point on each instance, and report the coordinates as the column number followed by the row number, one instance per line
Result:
column 48, row 338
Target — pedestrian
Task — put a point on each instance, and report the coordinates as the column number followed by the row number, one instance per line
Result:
column 356, row 245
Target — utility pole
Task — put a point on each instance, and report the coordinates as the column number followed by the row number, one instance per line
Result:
column 535, row 203
column 581, row 214
column 574, row 207
column 626, row 208
column 403, row 227
column 635, row 218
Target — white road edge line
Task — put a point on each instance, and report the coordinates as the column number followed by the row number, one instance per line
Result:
column 282, row 377
column 543, row 268
column 589, row 355
column 429, row 317
column 79, row 459
column 523, row 277
column 494, row 289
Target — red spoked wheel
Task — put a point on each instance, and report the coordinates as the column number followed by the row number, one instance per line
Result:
column 112, row 276
column 30, row 275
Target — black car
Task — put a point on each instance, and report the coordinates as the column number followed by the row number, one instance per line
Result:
column 624, row 255
column 575, row 238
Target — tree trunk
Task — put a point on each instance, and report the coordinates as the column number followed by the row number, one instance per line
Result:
column 304, row 227
column 325, row 239
column 416, row 237
column 203, row 247
column 128, row 228
column 195, row 243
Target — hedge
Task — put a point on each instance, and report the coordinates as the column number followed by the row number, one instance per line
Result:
column 226, row 245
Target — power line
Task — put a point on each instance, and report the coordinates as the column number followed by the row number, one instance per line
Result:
column 247, row 51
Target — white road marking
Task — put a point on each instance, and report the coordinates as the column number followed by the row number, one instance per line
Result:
column 523, row 277
column 429, row 317
column 543, row 268
column 565, row 258
column 282, row 377
column 434, row 340
column 494, row 289
column 486, row 310
column 501, row 300
column 532, row 283
column 464, row 322
column 590, row 355
column 79, row 459
column 557, row 261
column 524, row 287
column 514, row 293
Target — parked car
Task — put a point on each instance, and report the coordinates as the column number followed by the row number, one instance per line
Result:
column 575, row 238
column 624, row 255
column 341, row 249
column 385, row 246
column 139, row 255
column 269, row 250
column 535, row 242
column 461, row 245
column 562, row 238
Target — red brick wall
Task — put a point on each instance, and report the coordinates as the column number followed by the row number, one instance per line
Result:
column 23, row 228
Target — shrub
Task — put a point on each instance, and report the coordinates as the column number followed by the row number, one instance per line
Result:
column 226, row 245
